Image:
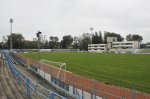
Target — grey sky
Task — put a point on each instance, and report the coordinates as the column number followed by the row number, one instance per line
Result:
column 74, row 17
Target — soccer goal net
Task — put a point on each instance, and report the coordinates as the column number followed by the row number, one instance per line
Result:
column 59, row 65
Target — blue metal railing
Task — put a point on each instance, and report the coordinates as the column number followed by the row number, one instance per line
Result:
column 29, row 83
column 55, row 85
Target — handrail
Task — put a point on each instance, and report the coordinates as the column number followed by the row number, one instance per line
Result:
column 19, row 75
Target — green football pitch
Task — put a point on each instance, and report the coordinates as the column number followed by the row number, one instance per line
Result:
column 125, row 70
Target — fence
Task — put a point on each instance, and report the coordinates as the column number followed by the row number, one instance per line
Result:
column 80, row 86
column 30, row 85
column 47, row 50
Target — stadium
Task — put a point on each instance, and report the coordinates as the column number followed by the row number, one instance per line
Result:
column 74, row 49
column 87, row 75
column 114, row 70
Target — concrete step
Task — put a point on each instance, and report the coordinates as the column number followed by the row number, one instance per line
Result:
column 22, row 87
column 14, row 90
column 5, row 87
column 2, row 94
column 21, row 90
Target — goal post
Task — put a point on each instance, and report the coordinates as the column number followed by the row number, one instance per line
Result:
column 59, row 65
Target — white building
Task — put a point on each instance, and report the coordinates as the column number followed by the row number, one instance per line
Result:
column 109, row 42
column 148, row 46
column 35, row 39
column 114, row 45
column 126, row 45
column 97, row 47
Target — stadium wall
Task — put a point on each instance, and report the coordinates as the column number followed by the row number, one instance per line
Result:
column 47, row 50
column 81, row 86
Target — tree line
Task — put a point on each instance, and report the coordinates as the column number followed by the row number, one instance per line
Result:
column 67, row 42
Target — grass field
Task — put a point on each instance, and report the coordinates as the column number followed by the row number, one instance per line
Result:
column 130, row 71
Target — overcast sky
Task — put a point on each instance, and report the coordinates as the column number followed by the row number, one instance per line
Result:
column 74, row 17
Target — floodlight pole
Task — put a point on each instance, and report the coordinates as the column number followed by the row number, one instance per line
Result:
column 11, row 45
column 91, row 28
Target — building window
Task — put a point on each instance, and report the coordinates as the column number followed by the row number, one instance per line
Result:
column 114, row 40
column 128, row 43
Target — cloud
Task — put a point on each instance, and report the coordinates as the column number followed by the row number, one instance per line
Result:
column 74, row 17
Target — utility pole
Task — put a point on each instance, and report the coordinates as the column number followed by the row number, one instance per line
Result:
column 11, row 45
column 38, row 36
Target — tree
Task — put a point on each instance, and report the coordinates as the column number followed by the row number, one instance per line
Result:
column 4, row 42
column 17, row 40
column 46, row 44
column 66, row 42
column 109, row 34
column 97, row 38
column 129, row 37
column 137, row 38
column 100, row 37
column 75, row 44
column 30, row 44
column 134, row 37
column 84, row 41
column 53, row 43
column 1, row 45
